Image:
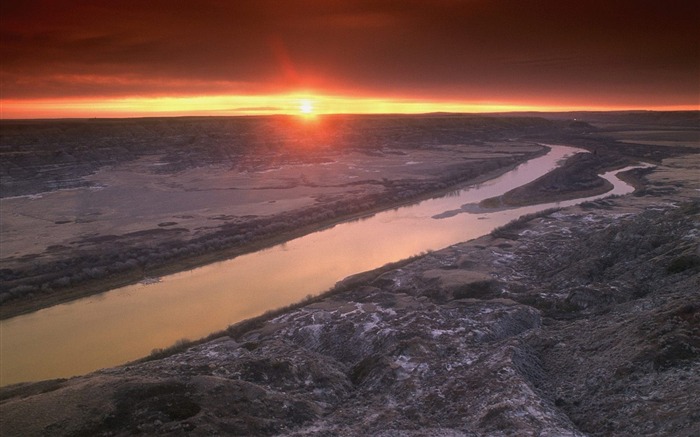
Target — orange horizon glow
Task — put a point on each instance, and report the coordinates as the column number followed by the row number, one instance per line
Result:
column 314, row 57
column 302, row 104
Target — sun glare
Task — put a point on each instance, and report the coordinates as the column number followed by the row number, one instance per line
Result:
column 306, row 107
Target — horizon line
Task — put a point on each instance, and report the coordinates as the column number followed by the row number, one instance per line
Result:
column 305, row 103
column 353, row 114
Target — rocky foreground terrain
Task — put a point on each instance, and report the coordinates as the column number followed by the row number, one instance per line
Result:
column 581, row 321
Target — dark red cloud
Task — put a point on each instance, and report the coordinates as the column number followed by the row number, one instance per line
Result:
column 605, row 52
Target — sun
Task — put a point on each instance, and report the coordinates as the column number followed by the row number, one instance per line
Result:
column 306, row 107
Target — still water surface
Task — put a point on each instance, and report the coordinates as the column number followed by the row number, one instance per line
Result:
column 128, row 323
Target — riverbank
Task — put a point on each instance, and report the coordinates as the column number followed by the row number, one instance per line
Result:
column 580, row 322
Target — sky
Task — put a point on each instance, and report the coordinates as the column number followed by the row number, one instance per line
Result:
column 104, row 58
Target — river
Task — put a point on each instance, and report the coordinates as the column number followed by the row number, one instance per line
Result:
column 127, row 323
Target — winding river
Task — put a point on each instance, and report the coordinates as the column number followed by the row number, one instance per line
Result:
column 127, row 323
